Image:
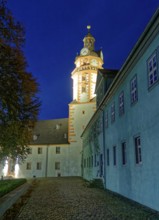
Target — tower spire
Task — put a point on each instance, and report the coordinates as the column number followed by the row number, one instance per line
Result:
column 88, row 28
column 89, row 39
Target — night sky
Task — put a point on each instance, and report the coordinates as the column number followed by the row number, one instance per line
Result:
column 54, row 35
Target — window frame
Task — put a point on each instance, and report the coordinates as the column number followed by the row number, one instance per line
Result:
column 134, row 90
column 39, row 150
column 58, row 150
column 113, row 112
column 39, row 165
column 57, row 165
column 121, row 103
column 151, row 72
column 106, row 119
column 114, row 155
column 138, row 151
column 28, row 166
column 123, row 152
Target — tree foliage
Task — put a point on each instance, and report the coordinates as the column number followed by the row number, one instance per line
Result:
column 19, row 104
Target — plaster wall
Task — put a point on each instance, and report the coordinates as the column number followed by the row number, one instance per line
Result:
column 136, row 181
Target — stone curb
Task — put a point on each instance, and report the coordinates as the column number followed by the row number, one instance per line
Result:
column 9, row 199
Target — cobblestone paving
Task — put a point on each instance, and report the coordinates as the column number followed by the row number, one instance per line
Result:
column 68, row 199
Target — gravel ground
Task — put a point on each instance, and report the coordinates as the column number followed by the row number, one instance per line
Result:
column 70, row 199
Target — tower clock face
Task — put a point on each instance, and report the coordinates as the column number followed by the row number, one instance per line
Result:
column 94, row 62
column 84, row 51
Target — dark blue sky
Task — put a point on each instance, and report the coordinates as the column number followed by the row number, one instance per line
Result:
column 54, row 33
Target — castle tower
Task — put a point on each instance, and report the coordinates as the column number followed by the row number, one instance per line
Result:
column 83, row 105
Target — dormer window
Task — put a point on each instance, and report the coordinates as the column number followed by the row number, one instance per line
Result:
column 35, row 137
column 57, row 126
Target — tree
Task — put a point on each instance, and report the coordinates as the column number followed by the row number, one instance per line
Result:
column 19, row 104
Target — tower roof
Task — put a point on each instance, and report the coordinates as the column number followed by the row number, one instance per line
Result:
column 89, row 39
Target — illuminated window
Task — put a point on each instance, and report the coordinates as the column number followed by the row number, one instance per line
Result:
column 133, row 90
column 113, row 113
column 58, row 150
column 138, row 150
column 57, row 165
column 83, row 89
column 121, row 103
column 83, row 78
column 152, row 69
column 39, row 150
column 38, row 166
column 28, row 166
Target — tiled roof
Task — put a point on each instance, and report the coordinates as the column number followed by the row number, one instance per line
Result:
column 51, row 132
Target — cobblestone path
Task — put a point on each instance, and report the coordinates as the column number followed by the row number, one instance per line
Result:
column 65, row 199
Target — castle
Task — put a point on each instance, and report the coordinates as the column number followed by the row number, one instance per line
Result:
column 112, row 132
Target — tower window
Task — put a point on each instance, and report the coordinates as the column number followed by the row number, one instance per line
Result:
column 83, row 78
column 83, row 89
column 83, row 112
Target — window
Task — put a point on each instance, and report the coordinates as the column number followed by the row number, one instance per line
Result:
column 84, row 163
column 30, row 151
column 95, row 160
column 38, row 166
column 83, row 112
column 121, row 103
column 123, row 150
column 114, row 155
column 113, row 112
column 83, row 89
column 107, row 157
column 138, row 150
column 133, row 90
column 152, row 69
column 57, row 165
column 39, row 150
column 83, row 78
column 106, row 119
column 28, row 166
column 58, row 150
